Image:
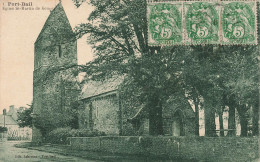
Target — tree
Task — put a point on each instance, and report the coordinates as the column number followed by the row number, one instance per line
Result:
column 120, row 43
column 24, row 117
column 118, row 35
column 242, row 82
column 226, row 76
column 3, row 129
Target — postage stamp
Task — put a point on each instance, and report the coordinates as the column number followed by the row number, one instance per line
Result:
column 201, row 23
column 238, row 22
column 165, row 23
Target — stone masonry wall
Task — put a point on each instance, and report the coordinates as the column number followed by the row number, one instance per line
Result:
column 105, row 114
column 54, row 83
column 195, row 148
column 174, row 105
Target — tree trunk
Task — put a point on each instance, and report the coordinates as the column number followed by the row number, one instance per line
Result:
column 243, row 123
column 197, row 125
column 255, row 120
column 210, row 125
column 231, row 121
column 155, row 116
column 221, row 126
column 243, row 120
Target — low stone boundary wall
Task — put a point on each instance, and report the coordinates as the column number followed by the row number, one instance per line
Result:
column 202, row 148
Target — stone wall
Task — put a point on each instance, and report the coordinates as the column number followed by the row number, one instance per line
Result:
column 196, row 148
column 105, row 113
column 101, row 113
column 178, row 106
column 54, row 82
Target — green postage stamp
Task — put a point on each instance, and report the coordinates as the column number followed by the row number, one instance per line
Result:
column 201, row 22
column 165, row 25
column 238, row 23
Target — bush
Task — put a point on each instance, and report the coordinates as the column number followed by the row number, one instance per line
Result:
column 60, row 135
column 3, row 129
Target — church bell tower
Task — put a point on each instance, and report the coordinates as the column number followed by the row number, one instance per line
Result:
column 55, row 55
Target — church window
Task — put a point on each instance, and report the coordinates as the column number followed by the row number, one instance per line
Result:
column 60, row 52
column 91, row 123
column 97, row 112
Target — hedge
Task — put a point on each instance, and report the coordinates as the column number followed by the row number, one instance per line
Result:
column 60, row 135
column 3, row 129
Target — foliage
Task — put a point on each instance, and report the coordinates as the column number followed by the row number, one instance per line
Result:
column 223, row 76
column 116, row 37
column 119, row 40
column 3, row 129
column 60, row 135
column 50, row 120
column 213, row 76
column 25, row 118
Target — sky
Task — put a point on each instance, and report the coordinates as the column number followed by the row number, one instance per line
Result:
column 18, row 32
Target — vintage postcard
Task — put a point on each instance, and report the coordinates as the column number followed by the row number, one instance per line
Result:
column 129, row 80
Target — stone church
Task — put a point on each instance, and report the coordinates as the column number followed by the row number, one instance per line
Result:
column 101, row 108
column 55, row 61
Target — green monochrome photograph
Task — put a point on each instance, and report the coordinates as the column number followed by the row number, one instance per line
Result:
column 201, row 23
column 129, row 80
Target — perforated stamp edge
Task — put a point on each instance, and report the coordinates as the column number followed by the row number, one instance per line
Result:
column 220, row 36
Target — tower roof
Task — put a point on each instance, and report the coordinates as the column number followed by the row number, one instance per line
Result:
column 57, row 26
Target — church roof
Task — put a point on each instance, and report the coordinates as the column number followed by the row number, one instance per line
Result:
column 95, row 88
column 57, row 25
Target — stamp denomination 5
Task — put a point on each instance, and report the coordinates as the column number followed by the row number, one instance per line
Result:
column 201, row 22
